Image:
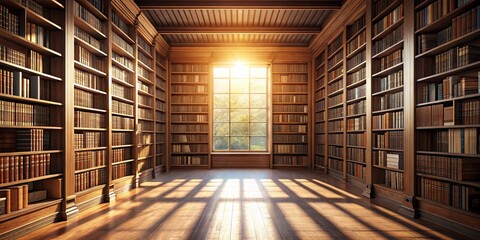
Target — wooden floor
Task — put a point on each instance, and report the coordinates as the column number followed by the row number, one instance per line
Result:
column 240, row 204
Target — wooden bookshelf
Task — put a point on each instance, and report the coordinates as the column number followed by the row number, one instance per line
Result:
column 319, row 92
column 145, row 122
column 447, row 109
column 290, row 115
column 336, row 97
column 32, row 155
column 387, row 102
column 356, row 101
column 189, row 118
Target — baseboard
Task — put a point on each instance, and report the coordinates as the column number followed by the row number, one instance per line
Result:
column 450, row 225
column 30, row 227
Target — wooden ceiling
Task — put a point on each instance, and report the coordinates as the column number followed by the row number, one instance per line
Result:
column 238, row 23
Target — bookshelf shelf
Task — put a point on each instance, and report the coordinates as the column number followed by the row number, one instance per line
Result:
column 27, row 71
column 454, row 71
column 387, row 71
column 388, row 30
column 388, row 110
column 32, row 207
column 391, row 90
column 90, row 109
column 89, row 28
column 388, row 50
column 4, row 185
column 92, row 90
column 119, row 50
column 450, row 44
column 89, row 47
column 123, row 162
column 121, row 66
column 358, row 32
column 90, row 149
column 467, row 183
column 89, row 69
column 382, row 13
column 448, row 154
column 28, row 44
column 357, row 83
column 31, row 127
column 387, row 168
column 357, row 67
column 29, row 100
column 122, row 82
column 90, row 169
column 90, row 129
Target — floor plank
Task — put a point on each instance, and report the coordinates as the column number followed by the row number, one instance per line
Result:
column 241, row 204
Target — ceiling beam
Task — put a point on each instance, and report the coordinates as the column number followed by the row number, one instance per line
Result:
column 238, row 30
column 239, row 4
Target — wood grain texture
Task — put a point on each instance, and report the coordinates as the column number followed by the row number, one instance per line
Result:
column 241, row 204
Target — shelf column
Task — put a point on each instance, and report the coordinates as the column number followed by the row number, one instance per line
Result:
column 368, row 193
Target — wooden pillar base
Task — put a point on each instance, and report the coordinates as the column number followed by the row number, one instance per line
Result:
column 71, row 209
column 408, row 208
column 111, row 196
column 367, row 192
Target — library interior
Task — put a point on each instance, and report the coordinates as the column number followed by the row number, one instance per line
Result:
column 236, row 119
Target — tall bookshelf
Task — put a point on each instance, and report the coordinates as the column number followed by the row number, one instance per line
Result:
column 387, row 102
column 90, row 97
column 356, row 101
column 123, row 97
column 161, row 116
column 319, row 111
column 447, row 108
column 32, row 153
column 145, row 127
column 189, row 115
column 290, row 114
column 335, row 107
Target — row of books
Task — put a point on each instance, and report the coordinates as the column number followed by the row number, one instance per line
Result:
column 89, row 119
column 203, row 68
column 145, row 151
column 32, row 139
column 455, row 58
column 450, row 87
column 388, row 120
column 145, row 114
column 356, row 139
column 335, row 138
column 335, row 113
column 89, row 80
column 435, row 11
column 290, row 148
column 145, row 137
column 278, row 128
column 335, row 151
column 189, row 160
column 357, row 92
column 146, row 74
column 462, row 140
column 334, row 45
column 356, row 60
column 22, row 114
column 37, row 34
column 335, row 100
column 12, row 55
column 184, row 138
column 290, row 118
column 393, row 80
column 392, row 160
column 389, row 139
column 470, row 112
column 118, row 21
column 145, row 164
column 300, row 68
column 87, row 16
column 36, row 61
column 144, row 45
column 357, row 76
column 190, row 148
column 191, row 128
column 9, row 20
column 462, row 169
column 391, row 39
column 466, row 23
column 81, row 34
column 355, row 43
column 390, row 60
column 389, row 101
column 189, row 89
column 88, row 99
column 160, row 116
column 319, row 106
column 290, row 108
column 357, row 170
column 189, row 99
column 356, row 108
column 83, row 56
column 144, row 125
column 147, row 61
column 302, row 88
column 98, row 4
column 290, row 160
column 429, row 41
column 122, row 108
column 455, row 195
column 387, row 21
column 280, row 98
column 335, row 164
column 89, row 140
column 121, row 154
column 122, row 123
column 434, row 115
column 124, row 61
column 17, row 168
column 90, row 159
column 320, row 138
column 336, row 125
column 335, row 59
column 119, row 41
column 335, row 86
column 188, row 78
column 335, row 73
column 90, row 179
column 121, row 170
column 121, row 91
column 145, row 100
column 189, row 117
column 290, row 78
column 12, row 83
column 358, row 123
column 356, row 154
column 394, row 180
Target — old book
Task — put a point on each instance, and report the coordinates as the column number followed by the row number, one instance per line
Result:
column 53, row 187
column 16, row 195
column 37, row 195
column 5, row 193
column 25, row 196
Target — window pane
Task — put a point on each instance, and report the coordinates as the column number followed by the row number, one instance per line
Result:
column 258, row 129
column 221, row 72
column 239, row 101
column 239, row 129
column 258, row 72
column 258, row 115
column 220, row 129
column 221, row 115
column 239, row 115
column 239, row 71
column 239, row 143
column 258, row 85
column 220, row 101
column 258, row 143
column 220, row 143
column 258, row 100
column 239, row 85
column 220, row 85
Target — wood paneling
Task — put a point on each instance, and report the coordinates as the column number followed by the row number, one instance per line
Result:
column 240, row 160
